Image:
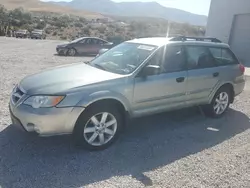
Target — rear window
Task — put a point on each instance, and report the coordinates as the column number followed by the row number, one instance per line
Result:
column 223, row 56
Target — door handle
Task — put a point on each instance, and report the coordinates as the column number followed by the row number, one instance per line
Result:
column 216, row 74
column 180, row 79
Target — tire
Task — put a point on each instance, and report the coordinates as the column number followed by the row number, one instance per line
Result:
column 71, row 52
column 220, row 103
column 88, row 133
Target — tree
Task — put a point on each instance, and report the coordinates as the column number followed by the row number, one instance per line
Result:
column 3, row 20
column 3, row 14
column 40, row 25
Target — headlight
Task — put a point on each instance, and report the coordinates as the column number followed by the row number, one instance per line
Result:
column 43, row 101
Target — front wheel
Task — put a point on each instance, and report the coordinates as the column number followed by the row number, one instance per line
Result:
column 98, row 127
column 71, row 52
column 219, row 104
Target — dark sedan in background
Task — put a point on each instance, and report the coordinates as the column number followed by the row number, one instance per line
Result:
column 82, row 46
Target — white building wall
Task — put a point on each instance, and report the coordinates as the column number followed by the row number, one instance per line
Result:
column 221, row 16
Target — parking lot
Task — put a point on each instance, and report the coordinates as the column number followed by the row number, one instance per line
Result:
column 175, row 149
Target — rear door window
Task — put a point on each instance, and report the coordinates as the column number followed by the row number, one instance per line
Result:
column 100, row 41
column 88, row 41
column 95, row 41
column 199, row 57
column 216, row 52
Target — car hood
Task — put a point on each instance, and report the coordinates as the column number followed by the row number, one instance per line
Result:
column 64, row 78
column 36, row 33
column 65, row 44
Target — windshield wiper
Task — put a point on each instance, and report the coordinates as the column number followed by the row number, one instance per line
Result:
column 99, row 66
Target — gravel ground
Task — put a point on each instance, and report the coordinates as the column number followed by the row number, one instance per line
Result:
column 177, row 149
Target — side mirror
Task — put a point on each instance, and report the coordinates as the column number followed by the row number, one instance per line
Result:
column 150, row 70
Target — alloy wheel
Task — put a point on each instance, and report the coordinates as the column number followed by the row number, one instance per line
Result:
column 221, row 103
column 100, row 129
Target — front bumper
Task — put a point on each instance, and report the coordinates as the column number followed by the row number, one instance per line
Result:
column 45, row 121
column 36, row 36
column 61, row 51
column 21, row 35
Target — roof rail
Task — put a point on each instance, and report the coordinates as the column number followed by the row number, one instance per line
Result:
column 205, row 39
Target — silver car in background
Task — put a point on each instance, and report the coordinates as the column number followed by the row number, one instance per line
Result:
column 38, row 34
column 136, row 78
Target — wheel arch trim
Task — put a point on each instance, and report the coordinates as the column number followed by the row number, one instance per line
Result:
column 220, row 85
column 105, row 95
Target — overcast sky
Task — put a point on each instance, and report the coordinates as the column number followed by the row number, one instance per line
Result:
column 194, row 6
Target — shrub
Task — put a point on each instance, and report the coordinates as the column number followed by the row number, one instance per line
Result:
column 101, row 29
column 54, row 33
column 86, row 31
column 63, row 38
column 78, row 24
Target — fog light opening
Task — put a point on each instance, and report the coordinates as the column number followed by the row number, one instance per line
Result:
column 213, row 129
column 33, row 127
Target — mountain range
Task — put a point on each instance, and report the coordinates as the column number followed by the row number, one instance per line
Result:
column 39, row 6
column 135, row 9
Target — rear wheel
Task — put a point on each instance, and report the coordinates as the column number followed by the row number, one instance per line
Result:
column 98, row 127
column 219, row 104
column 71, row 52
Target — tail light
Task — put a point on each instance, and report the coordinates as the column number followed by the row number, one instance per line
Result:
column 242, row 68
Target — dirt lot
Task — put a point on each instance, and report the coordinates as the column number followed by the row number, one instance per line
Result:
column 178, row 149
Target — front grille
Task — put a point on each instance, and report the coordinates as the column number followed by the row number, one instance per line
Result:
column 17, row 95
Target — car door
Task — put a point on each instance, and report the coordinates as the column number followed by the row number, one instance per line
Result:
column 97, row 46
column 165, row 89
column 203, row 74
column 80, row 46
column 90, row 46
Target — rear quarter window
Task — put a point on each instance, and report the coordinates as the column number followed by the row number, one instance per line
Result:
column 223, row 56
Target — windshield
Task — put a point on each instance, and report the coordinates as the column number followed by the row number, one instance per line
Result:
column 37, row 31
column 124, row 58
column 77, row 40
